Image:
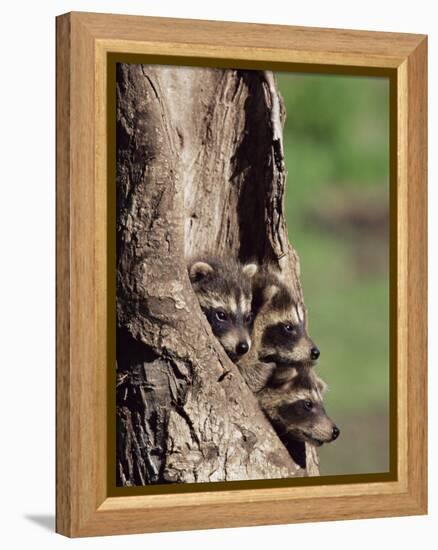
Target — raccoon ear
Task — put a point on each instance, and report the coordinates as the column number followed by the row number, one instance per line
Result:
column 287, row 379
column 250, row 270
column 293, row 374
column 275, row 271
column 321, row 385
column 199, row 270
column 269, row 292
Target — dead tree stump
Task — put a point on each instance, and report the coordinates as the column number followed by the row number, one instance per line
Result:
column 200, row 168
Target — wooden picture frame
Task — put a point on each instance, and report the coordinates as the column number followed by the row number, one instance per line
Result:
column 85, row 505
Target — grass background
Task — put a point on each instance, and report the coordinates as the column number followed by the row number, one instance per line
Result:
column 337, row 154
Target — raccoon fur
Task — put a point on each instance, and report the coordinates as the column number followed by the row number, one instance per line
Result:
column 297, row 412
column 280, row 340
column 224, row 291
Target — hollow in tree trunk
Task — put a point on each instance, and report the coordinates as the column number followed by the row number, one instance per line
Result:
column 200, row 168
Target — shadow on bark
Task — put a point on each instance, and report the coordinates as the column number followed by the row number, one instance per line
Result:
column 199, row 169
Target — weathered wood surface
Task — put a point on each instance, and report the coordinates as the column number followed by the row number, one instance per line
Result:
column 199, row 169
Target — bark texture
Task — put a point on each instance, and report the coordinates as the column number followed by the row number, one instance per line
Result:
column 199, row 169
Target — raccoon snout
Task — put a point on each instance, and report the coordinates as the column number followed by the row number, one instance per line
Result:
column 242, row 348
column 314, row 353
column 335, row 433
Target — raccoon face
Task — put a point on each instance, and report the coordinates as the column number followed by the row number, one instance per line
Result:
column 285, row 339
column 280, row 323
column 224, row 292
column 231, row 326
column 288, row 342
column 299, row 413
column 304, row 418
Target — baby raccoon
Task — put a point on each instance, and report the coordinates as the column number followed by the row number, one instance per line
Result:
column 297, row 413
column 280, row 334
column 223, row 288
column 280, row 339
column 284, row 338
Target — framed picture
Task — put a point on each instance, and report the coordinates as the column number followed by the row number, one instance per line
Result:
column 241, row 226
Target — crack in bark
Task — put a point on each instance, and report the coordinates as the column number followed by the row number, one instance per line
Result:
column 199, row 169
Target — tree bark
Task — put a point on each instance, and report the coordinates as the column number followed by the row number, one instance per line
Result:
column 200, row 168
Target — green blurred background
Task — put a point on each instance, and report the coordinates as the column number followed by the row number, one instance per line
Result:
column 336, row 140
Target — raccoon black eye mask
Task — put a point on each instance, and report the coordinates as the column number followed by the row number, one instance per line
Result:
column 282, row 339
column 227, row 327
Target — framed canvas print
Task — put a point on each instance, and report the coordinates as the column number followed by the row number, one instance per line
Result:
column 241, row 274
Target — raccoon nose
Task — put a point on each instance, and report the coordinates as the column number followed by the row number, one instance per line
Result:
column 335, row 433
column 315, row 353
column 242, row 348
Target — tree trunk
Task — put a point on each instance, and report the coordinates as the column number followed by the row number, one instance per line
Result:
column 199, row 169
